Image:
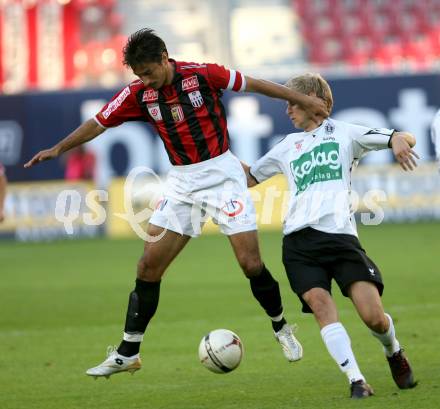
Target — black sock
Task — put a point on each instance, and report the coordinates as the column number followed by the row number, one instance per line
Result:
column 267, row 291
column 142, row 305
column 129, row 348
column 277, row 325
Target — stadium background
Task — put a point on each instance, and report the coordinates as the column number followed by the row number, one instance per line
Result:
column 60, row 60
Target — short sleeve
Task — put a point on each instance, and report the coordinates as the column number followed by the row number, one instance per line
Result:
column 367, row 139
column 121, row 108
column 266, row 167
column 224, row 78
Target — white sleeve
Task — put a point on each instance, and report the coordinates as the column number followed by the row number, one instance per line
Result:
column 267, row 166
column 367, row 139
column 435, row 134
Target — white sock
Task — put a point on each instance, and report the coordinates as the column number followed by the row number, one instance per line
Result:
column 388, row 339
column 277, row 318
column 338, row 344
column 135, row 337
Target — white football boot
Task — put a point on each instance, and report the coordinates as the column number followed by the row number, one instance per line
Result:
column 292, row 349
column 115, row 363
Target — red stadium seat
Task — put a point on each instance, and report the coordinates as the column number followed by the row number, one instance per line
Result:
column 419, row 52
column 356, row 31
column 327, row 52
column 389, row 55
column 434, row 38
column 356, row 25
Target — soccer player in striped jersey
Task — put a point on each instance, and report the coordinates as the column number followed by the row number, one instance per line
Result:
column 320, row 238
column 182, row 101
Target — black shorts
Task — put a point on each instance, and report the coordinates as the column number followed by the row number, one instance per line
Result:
column 313, row 258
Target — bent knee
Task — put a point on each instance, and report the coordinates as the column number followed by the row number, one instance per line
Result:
column 377, row 321
column 251, row 266
column 317, row 296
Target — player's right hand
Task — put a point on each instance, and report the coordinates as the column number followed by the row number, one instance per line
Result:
column 42, row 156
column 316, row 108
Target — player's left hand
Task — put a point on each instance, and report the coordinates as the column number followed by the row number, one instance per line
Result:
column 42, row 156
column 403, row 152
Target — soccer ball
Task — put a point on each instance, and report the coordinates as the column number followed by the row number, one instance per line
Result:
column 220, row 351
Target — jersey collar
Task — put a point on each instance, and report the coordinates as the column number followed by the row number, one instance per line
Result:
column 175, row 75
column 317, row 129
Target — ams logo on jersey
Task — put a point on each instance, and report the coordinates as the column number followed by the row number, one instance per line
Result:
column 150, row 95
column 189, row 84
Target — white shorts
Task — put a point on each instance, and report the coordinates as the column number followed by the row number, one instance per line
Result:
column 215, row 188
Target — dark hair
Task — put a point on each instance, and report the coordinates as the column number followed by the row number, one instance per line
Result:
column 143, row 46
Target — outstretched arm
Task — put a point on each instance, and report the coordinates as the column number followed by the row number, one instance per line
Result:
column 402, row 143
column 84, row 133
column 314, row 106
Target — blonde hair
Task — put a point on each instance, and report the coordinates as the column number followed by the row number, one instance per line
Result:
column 312, row 83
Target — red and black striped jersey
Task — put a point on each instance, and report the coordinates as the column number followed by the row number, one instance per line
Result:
column 187, row 114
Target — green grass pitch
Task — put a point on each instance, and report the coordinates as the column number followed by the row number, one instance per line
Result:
column 62, row 303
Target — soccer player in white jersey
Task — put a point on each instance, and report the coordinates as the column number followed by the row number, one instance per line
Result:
column 435, row 134
column 320, row 238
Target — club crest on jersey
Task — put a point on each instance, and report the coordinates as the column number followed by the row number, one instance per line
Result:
column 196, row 99
column 177, row 113
column 298, row 145
column 150, row 95
column 190, row 83
column 154, row 111
column 329, row 128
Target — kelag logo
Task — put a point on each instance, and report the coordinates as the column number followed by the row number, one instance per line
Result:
column 319, row 165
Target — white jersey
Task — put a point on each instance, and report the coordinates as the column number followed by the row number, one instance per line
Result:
column 435, row 134
column 318, row 166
